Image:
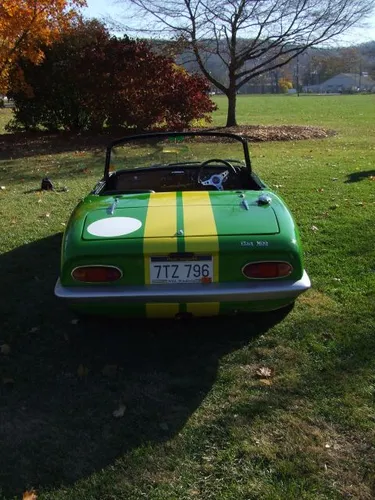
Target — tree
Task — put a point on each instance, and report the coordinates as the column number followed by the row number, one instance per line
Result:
column 26, row 24
column 332, row 62
column 285, row 85
column 89, row 80
column 250, row 37
column 368, row 53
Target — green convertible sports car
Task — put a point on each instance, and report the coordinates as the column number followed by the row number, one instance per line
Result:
column 180, row 225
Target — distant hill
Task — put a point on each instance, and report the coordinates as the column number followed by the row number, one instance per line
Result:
column 309, row 70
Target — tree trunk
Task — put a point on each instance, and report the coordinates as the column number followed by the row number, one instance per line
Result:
column 231, row 116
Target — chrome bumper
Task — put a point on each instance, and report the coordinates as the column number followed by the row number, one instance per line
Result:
column 180, row 293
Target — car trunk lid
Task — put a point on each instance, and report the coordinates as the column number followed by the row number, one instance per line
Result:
column 188, row 214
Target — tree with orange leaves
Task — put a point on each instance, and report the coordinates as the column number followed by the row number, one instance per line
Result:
column 27, row 24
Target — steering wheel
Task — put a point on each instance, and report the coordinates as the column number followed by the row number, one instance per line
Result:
column 216, row 180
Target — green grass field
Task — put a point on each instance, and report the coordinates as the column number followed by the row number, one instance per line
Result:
column 198, row 422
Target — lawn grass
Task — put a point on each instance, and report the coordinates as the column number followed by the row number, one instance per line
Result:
column 199, row 423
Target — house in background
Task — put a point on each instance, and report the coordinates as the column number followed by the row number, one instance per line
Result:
column 344, row 82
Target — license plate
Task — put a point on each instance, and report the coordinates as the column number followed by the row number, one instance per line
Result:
column 164, row 270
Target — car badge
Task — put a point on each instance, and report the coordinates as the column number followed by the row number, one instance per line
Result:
column 180, row 232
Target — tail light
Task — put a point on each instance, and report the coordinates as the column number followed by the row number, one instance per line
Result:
column 264, row 270
column 96, row 274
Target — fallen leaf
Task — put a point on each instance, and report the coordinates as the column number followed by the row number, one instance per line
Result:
column 264, row 372
column 120, row 412
column 30, row 495
column 82, row 371
column 2, row 188
column 314, row 228
column 5, row 349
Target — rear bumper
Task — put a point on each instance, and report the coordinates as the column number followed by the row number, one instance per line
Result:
column 212, row 292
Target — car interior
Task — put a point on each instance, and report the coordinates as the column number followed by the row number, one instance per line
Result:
column 195, row 176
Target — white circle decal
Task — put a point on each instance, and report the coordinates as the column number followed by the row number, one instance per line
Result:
column 114, row 226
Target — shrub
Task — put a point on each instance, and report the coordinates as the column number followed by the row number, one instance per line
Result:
column 89, row 80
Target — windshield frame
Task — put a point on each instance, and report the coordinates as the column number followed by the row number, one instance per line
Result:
column 124, row 140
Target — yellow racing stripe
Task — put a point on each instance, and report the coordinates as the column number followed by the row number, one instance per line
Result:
column 160, row 239
column 199, row 220
column 201, row 237
column 203, row 308
column 200, row 227
column 162, row 310
column 160, row 228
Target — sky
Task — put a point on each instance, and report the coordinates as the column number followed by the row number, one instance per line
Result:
column 111, row 8
column 101, row 8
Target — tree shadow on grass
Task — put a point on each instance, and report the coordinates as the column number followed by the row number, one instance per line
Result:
column 62, row 380
column 360, row 176
column 27, row 144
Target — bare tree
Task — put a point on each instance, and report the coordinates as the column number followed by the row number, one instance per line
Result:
column 250, row 37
